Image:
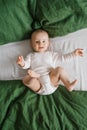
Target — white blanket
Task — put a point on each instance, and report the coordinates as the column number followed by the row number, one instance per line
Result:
column 77, row 68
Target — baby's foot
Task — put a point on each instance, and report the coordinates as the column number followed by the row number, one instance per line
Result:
column 72, row 85
column 33, row 74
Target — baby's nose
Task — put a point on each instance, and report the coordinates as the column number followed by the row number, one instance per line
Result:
column 41, row 42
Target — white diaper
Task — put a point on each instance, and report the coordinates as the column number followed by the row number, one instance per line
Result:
column 47, row 87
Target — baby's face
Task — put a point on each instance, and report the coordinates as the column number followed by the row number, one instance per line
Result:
column 40, row 41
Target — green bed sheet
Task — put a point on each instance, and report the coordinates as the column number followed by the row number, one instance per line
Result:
column 20, row 108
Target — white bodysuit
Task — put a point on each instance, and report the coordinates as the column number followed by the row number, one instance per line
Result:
column 41, row 63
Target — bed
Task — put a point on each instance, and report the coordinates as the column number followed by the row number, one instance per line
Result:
column 66, row 23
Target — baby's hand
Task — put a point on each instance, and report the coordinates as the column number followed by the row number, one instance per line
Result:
column 78, row 52
column 20, row 61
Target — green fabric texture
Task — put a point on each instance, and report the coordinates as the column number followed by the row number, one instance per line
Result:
column 15, row 20
column 20, row 108
column 19, row 18
column 59, row 17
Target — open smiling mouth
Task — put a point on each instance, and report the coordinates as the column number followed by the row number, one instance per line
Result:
column 41, row 47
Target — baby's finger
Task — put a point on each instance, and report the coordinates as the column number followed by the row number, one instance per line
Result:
column 20, row 57
column 81, row 53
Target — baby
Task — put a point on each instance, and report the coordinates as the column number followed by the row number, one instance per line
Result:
column 44, row 71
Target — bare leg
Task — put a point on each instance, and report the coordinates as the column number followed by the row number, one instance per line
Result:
column 33, row 74
column 60, row 74
column 32, row 83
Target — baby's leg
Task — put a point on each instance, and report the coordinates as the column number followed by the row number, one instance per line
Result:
column 54, row 77
column 33, row 74
column 32, row 83
column 59, row 73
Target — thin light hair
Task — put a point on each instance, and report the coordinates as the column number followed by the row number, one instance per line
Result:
column 39, row 31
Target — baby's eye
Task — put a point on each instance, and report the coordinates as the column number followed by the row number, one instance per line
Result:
column 37, row 41
column 43, row 41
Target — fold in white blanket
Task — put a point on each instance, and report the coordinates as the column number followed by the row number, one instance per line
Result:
column 77, row 68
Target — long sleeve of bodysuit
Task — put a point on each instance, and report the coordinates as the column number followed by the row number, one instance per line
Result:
column 60, row 58
column 27, row 62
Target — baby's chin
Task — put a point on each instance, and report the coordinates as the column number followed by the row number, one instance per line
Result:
column 41, row 50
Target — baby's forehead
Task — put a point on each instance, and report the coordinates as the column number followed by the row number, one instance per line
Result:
column 37, row 33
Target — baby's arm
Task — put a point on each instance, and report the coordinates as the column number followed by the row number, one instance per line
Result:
column 58, row 59
column 24, row 63
column 20, row 61
column 68, row 56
